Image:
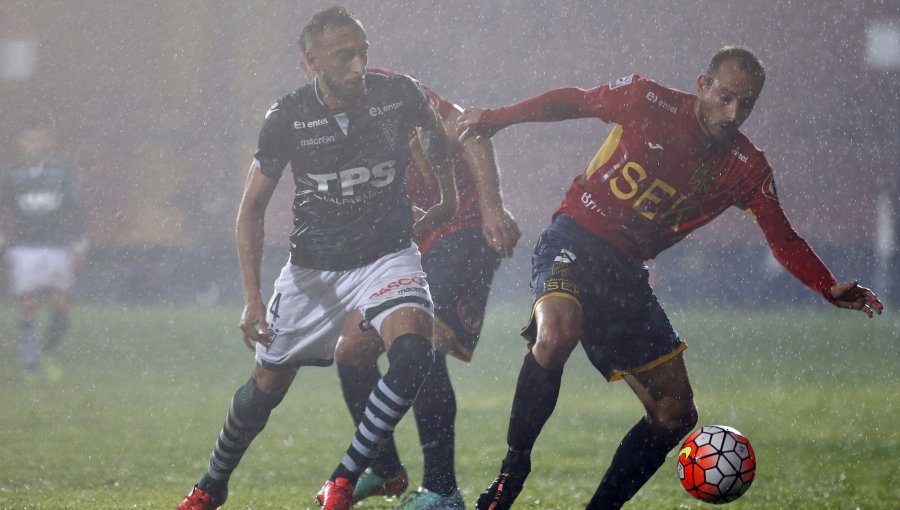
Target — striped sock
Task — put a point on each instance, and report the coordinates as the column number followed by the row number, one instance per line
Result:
column 247, row 417
column 411, row 357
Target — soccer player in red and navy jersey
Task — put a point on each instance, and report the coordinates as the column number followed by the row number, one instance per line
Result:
column 673, row 162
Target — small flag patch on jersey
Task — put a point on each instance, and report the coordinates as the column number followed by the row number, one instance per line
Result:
column 625, row 80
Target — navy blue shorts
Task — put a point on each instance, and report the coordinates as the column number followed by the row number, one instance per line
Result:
column 625, row 330
column 460, row 268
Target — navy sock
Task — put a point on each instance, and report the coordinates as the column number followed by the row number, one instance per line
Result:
column 357, row 383
column 537, row 391
column 28, row 343
column 435, row 412
column 641, row 452
column 59, row 323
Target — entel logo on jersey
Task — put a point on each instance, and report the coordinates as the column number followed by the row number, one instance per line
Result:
column 381, row 110
column 379, row 176
column 311, row 124
column 739, row 155
column 653, row 98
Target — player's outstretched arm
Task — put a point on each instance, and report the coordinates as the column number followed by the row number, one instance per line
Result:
column 497, row 224
column 438, row 153
column 249, row 234
column 855, row 297
column 551, row 106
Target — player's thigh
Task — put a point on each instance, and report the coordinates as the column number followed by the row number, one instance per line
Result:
column 60, row 299
column 558, row 325
column 394, row 297
column 625, row 329
column 404, row 320
column 358, row 344
column 556, row 279
column 27, row 304
column 460, row 268
column 306, row 312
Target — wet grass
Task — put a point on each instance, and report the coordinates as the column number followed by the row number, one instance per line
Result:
column 145, row 390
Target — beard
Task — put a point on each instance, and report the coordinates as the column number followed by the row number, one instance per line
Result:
column 344, row 94
column 719, row 132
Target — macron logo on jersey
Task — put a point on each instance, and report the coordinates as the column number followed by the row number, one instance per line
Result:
column 625, row 80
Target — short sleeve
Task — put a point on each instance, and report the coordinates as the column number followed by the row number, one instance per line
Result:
column 273, row 149
column 417, row 98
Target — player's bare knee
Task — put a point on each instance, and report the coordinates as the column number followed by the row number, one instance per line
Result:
column 273, row 382
column 675, row 415
column 413, row 352
column 358, row 349
column 557, row 336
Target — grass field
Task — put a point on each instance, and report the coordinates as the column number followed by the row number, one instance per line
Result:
column 133, row 421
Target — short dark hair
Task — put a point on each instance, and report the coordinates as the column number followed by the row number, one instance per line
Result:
column 745, row 58
column 335, row 16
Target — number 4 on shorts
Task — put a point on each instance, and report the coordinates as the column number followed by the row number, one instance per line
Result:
column 273, row 306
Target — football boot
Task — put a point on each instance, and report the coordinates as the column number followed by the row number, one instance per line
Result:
column 502, row 492
column 424, row 499
column 336, row 494
column 370, row 484
column 199, row 500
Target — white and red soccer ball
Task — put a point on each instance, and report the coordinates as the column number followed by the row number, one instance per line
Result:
column 716, row 464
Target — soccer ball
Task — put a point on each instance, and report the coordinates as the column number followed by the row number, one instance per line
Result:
column 716, row 464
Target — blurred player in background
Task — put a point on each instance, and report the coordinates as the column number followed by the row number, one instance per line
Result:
column 43, row 229
column 346, row 136
column 460, row 259
column 673, row 162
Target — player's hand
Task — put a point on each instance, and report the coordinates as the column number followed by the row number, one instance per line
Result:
column 500, row 231
column 470, row 125
column 254, row 326
column 855, row 297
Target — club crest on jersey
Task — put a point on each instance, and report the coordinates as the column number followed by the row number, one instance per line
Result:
column 390, row 131
column 625, row 80
column 703, row 180
column 470, row 313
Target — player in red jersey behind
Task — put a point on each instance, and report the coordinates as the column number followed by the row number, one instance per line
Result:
column 460, row 258
column 673, row 162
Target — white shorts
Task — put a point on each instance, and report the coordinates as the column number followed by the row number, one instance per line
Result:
column 38, row 268
column 309, row 306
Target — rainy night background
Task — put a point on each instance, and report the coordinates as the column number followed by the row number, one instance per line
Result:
column 159, row 103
